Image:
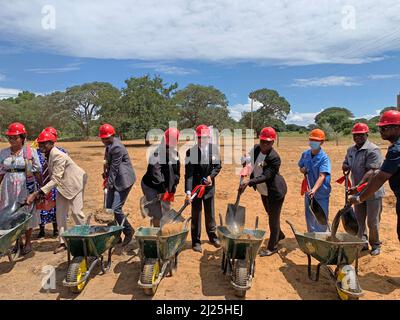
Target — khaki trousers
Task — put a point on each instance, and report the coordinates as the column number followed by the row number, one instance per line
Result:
column 74, row 205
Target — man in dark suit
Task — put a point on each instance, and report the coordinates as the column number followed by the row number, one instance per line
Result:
column 202, row 165
column 119, row 176
column 266, row 179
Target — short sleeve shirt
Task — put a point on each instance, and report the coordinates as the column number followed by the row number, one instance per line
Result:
column 391, row 165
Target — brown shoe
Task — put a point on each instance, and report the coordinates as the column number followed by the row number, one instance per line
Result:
column 61, row 247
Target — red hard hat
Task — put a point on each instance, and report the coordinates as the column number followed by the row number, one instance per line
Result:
column 15, row 129
column 45, row 136
column 202, row 131
column 106, row 131
column 360, row 128
column 389, row 117
column 51, row 130
column 268, row 134
column 171, row 136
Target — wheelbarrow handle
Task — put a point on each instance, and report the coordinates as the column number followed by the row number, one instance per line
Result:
column 220, row 219
column 187, row 222
column 256, row 224
column 291, row 226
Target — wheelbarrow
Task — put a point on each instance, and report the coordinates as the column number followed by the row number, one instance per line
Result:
column 87, row 244
column 14, row 221
column 239, row 252
column 158, row 255
column 340, row 253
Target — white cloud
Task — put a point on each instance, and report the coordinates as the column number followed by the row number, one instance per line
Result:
column 285, row 32
column 164, row 68
column 67, row 68
column 330, row 81
column 2, row 77
column 301, row 118
column 237, row 109
column 383, row 76
column 9, row 93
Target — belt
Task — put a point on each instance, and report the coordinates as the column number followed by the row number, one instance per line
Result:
column 15, row 170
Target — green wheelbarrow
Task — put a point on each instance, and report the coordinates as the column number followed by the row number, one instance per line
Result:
column 341, row 254
column 158, row 255
column 14, row 221
column 239, row 254
column 86, row 244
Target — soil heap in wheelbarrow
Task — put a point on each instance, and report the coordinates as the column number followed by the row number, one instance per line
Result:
column 247, row 236
column 172, row 228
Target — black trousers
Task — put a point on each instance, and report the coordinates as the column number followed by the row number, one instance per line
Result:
column 209, row 214
column 398, row 215
column 273, row 208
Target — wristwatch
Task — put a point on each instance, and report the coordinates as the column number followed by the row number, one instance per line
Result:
column 358, row 200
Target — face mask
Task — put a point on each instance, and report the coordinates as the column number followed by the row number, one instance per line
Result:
column 315, row 145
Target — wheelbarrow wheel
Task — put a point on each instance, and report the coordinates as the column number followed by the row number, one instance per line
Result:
column 76, row 271
column 149, row 275
column 241, row 276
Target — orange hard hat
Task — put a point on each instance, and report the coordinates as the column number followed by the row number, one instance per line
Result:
column 317, row 134
column 106, row 131
column 268, row 134
column 15, row 129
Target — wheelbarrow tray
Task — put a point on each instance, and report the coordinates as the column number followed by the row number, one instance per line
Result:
column 236, row 247
column 98, row 239
column 317, row 245
column 9, row 236
column 163, row 247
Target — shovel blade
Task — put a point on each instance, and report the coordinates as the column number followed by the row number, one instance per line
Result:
column 318, row 212
column 349, row 222
column 235, row 218
column 171, row 216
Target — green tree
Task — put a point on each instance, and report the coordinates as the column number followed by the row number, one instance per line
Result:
column 337, row 118
column 273, row 105
column 200, row 104
column 84, row 102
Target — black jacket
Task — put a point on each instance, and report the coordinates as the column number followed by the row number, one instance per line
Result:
column 195, row 170
column 118, row 167
column 162, row 172
column 276, row 184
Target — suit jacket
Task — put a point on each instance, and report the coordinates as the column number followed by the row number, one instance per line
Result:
column 162, row 172
column 64, row 174
column 119, row 169
column 195, row 170
column 276, row 184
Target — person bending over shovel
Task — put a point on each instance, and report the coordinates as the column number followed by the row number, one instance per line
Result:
column 70, row 181
column 202, row 165
column 316, row 166
column 162, row 176
column 119, row 176
column 389, row 128
column 265, row 178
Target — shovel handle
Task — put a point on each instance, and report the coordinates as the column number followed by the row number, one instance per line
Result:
column 220, row 220
column 256, row 224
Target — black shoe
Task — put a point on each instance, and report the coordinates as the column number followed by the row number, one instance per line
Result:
column 42, row 233
column 128, row 238
column 281, row 237
column 197, row 247
column 365, row 248
column 216, row 243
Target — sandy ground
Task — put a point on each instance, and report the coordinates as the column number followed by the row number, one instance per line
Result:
column 281, row 276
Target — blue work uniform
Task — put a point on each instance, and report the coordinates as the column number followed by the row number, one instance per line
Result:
column 315, row 165
column 391, row 165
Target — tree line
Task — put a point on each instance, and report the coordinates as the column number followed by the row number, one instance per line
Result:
column 148, row 102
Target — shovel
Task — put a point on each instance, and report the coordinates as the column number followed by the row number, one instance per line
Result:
column 172, row 216
column 236, row 214
column 143, row 205
column 348, row 217
column 316, row 209
column 341, row 212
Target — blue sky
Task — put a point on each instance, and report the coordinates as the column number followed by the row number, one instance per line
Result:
column 346, row 54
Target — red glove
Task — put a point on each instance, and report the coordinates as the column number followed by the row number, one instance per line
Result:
column 342, row 179
column 304, row 186
column 168, row 197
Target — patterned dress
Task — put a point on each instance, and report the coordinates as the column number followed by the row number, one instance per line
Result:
column 47, row 216
column 15, row 187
